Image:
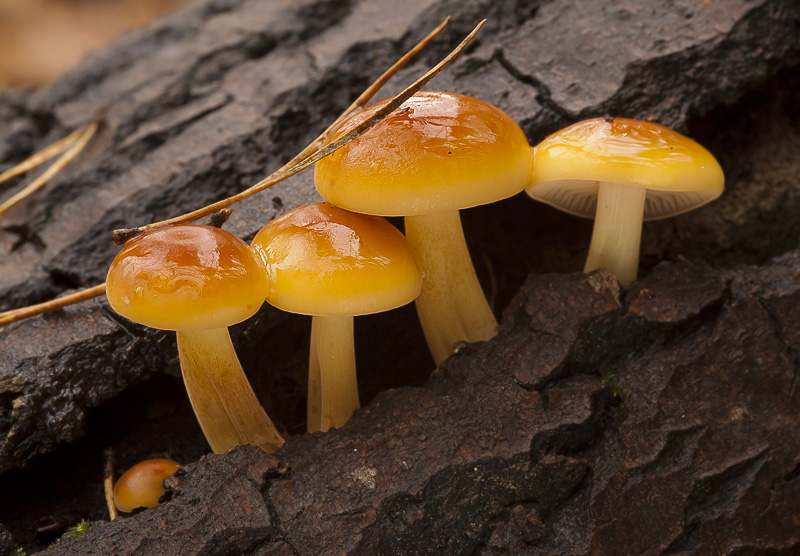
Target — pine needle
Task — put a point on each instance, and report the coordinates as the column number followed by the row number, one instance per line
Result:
column 42, row 156
column 71, row 153
column 313, row 153
column 14, row 315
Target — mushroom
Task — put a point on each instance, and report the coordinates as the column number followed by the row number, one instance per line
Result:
column 333, row 264
column 143, row 484
column 622, row 171
column 198, row 280
column 438, row 153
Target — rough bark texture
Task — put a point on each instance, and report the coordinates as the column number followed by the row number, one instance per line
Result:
column 590, row 425
column 656, row 420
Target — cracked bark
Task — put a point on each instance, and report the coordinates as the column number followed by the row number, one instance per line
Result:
column 702, row 459
column 654, row 420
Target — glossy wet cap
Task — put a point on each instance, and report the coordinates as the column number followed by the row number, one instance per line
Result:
column 323, row 260
column 143, row 484
column 186, row 278
column 439, row 151
column 678, row 173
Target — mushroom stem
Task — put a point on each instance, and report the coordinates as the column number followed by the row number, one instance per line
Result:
column 617, row 231
column 332, row 385
column 224, row 403
column 451, row 307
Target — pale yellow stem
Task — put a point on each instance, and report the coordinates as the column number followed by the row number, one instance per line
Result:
column 224, row 403
column 451, row 307
column 617, row 231
column 333, row 364
column 314, row 403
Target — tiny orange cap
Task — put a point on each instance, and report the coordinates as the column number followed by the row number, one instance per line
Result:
column 143, row 484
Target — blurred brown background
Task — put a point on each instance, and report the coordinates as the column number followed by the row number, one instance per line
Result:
column 40, row 39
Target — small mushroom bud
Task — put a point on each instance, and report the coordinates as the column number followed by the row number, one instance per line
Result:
column 143, row 484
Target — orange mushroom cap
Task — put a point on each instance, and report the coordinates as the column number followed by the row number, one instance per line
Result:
column 323, row 260
column 143, row 484
column 186, row 278
column 678, row 173
column 439, row 151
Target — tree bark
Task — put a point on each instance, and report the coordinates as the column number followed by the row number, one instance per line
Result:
column 657, row 419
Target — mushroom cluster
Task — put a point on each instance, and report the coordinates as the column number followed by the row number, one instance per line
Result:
column 439, row 153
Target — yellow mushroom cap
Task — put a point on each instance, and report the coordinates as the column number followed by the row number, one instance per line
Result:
column 678, row 173
column 325, row 261
column 439, row 151
column 186, row 278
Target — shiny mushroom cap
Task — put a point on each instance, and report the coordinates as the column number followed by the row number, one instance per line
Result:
column 143, row 484
column 186, row 278
column 325, row 261
column 439, row 151
column 678, row 173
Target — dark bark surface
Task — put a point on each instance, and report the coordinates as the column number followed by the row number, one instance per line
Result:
column 656, row 420
column 661, row 423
